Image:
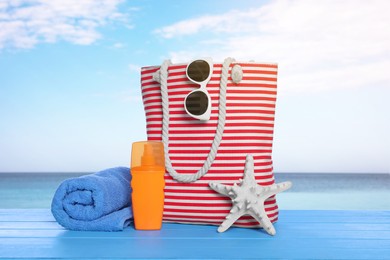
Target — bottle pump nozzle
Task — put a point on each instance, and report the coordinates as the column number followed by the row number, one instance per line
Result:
column 148, row 157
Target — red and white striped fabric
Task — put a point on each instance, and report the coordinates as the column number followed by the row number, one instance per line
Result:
column 248, row 130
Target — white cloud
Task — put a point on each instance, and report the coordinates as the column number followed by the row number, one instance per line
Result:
column 118, row 45
column 24, row 23
column 318, row 44
column 135, row 68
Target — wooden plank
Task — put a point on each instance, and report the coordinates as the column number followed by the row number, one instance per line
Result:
column 21, row 225
column 311, row 231
column 300, row 234
column 350, row 216
column 17, row 215
column 99, row 247
column 8, row 225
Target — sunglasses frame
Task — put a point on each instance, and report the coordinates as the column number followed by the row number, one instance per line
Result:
column 206, row 115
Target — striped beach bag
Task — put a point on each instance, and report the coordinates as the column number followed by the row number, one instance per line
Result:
column 238, row 102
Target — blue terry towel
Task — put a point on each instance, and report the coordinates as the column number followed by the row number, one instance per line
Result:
column 95, row 202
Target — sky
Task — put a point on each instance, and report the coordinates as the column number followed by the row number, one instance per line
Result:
column 70, row 96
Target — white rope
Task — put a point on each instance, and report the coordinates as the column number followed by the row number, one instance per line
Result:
column 162, row 77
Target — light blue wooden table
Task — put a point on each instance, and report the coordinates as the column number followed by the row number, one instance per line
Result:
column 33, row 233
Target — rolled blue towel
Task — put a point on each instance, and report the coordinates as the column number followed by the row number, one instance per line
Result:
column 95, row 202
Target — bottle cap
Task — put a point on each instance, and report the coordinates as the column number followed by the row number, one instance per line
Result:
column 147, row 153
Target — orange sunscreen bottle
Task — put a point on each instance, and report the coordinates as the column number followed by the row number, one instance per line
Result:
column 148, row 169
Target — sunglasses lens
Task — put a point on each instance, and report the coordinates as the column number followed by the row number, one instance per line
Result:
column 197, row 103
column 198, row 70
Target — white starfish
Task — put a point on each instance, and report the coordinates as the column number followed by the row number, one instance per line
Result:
column 248, row 198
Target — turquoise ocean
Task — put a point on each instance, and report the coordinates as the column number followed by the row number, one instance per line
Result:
column 310, row 191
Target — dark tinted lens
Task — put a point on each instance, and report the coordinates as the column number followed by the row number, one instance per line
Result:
column 197, row 103
column 198, row 70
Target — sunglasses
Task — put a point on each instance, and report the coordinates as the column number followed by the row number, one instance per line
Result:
column 198, row 102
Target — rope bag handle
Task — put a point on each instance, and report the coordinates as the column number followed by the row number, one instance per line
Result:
column 162, row 77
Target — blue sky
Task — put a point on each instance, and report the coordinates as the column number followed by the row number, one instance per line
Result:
column 69, row 76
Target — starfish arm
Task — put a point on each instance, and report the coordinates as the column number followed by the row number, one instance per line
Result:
column 249, row 171
column 262, row 218
column 220, row 188
column 276, row 188
column 232, row 217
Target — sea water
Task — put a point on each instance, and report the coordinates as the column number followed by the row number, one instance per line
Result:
column 310, row 191
column 344, row 191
